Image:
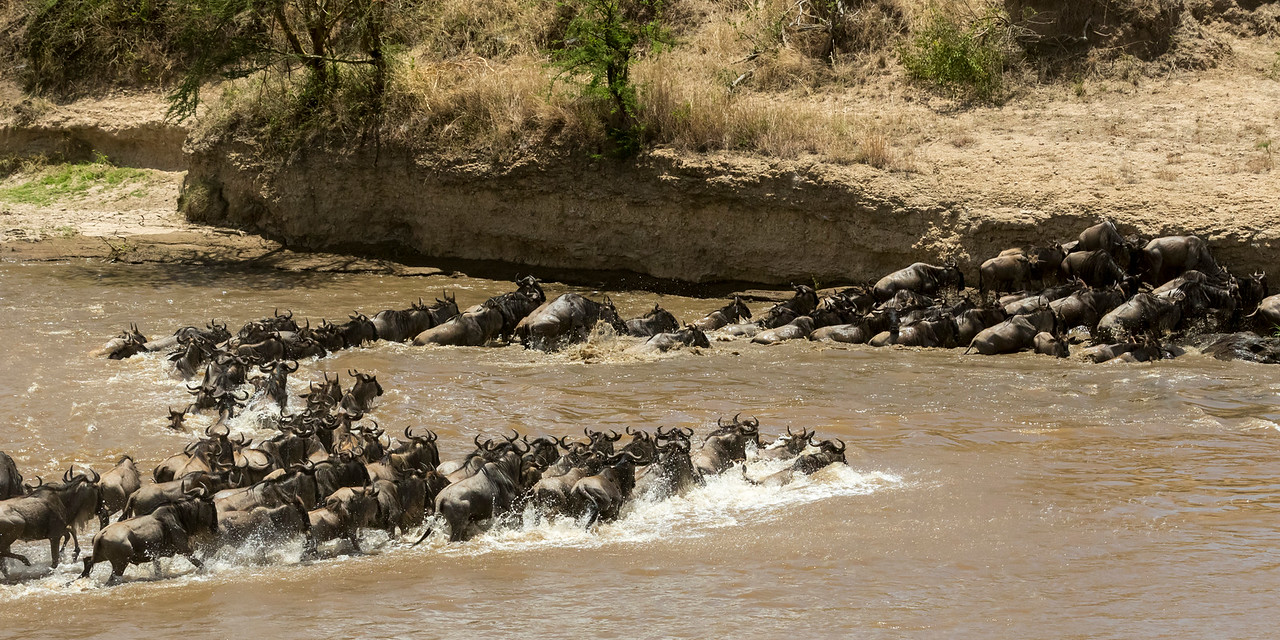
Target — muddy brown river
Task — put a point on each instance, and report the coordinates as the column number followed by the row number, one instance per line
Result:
column 1016, row 496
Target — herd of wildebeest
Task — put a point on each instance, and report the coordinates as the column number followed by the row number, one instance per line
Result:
column 324, row 475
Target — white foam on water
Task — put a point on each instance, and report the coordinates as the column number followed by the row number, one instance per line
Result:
column 724, row 501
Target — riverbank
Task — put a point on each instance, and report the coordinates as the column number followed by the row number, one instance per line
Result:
column 1182, row 153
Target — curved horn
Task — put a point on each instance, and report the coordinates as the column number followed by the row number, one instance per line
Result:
column 615, row 437
column 477, row 441
column 66, row 477
column 843, row 446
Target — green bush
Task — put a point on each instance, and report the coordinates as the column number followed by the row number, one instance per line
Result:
column 600, row 43
column 968, row 59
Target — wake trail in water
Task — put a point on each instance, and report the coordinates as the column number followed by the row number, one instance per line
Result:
column 724, row 501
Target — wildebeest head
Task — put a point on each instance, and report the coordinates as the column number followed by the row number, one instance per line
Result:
column 694, row 337
column 829, row 452
column 134, row 343
column 951, row 276
column 601, row 441
column 176, row 419
column 609, row 314
column 530, row 287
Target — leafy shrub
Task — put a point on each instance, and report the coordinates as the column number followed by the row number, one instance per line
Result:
column 964, row 56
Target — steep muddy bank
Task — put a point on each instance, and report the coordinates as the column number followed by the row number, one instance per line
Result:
column 694, row 219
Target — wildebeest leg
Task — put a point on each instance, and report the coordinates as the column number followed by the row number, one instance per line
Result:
column 155, row 568
column 191, row 557
column 55, row 550
column 88, row 566
column 72, row 533
column 355, row 543
column 118, row 565
column 593, row 514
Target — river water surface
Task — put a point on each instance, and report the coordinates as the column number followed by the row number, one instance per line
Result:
column 1016, row 496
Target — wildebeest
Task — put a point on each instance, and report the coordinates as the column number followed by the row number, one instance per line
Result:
column 289, row 519
column 488, row 493
column 828, row 453
column 206, row 454
column 604, row 493
column 1268, row 312
column 398, row 326
column 1015, row 334
column 971, row 321
column 1142, row 313
column 1106, row 238
column 729, row 314
column 125, row 345
column 174, row 529
column 151, row 497
column 117, row 485
column 802, row 303
column 726, row 445
column 1096, row 268
column 788, row 446
column 657, row 321
column 1005, row 273
column 344, row 513
column 1087, row 306
column 10, row 479
column 359, row 399
column 495, row 318
column 50, row 512
column 798, row 328
column 274, row 387
column 1168, row 257
column 689, row 336
column 671, row 473
column 554, row 493
column 921, row 278
column 357, row 330
column 297, row 483
column 941, row 333
column 1047, row 344
column 565, row 320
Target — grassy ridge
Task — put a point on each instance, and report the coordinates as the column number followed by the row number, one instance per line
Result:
column 477, row 76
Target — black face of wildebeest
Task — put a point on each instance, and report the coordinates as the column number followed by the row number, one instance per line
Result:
column 359, row 399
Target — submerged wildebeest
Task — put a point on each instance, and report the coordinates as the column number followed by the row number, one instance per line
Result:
column 729, row 314
column 657, row 321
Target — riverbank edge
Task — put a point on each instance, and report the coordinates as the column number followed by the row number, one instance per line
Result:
column 689, row 218
column 663, row 220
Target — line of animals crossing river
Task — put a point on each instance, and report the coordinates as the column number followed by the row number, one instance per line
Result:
column 330, row 470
